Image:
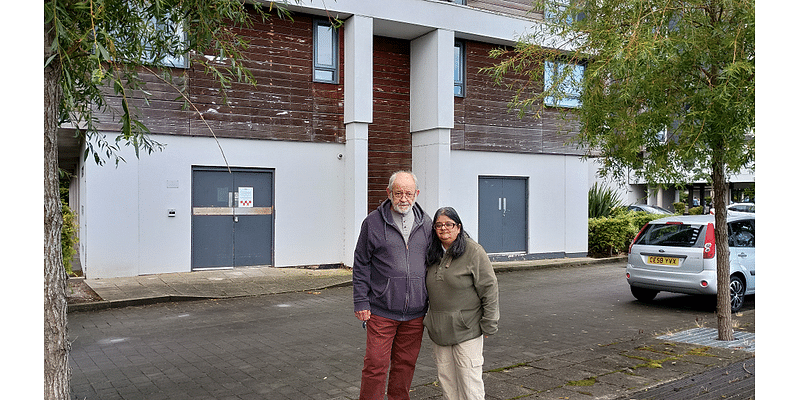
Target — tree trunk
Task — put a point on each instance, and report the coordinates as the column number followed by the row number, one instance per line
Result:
column 56, row 343
column 724, row 318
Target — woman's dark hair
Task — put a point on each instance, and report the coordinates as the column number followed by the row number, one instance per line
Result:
column 459, row 246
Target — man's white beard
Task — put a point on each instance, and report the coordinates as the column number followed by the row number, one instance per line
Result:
column 402, row 209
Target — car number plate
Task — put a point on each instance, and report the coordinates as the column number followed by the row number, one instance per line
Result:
column 662, row 260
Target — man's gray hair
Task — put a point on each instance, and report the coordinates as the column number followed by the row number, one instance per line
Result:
column 394, row 176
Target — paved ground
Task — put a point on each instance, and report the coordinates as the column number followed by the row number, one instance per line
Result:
column 122, row 350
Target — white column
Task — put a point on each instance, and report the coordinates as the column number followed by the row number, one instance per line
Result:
column 357, row 117
column 431, row 163
column 432, row 116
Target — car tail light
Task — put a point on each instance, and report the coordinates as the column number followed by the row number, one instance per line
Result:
column 637, row 237
column 710, row 244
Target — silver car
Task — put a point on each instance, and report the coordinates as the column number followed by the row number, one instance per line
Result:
column 678, row 254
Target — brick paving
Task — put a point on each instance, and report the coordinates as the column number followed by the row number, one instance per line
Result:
column 306, row 344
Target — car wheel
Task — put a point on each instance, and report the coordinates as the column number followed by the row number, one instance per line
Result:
column 737, row 293
column 643, row 294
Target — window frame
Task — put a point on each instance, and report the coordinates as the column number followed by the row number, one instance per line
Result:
column 180, row 61
column 572, row 98
column 554, row 7
column 332, row 68
column 459, row 69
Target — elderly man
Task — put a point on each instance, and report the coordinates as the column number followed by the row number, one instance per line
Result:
column 389, row 288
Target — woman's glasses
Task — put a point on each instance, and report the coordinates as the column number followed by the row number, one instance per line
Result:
column 446, row 225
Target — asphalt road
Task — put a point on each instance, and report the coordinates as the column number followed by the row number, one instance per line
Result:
column 310, row 345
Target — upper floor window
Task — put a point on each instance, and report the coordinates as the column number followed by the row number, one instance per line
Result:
column 569, row 77
column 463, row 2
column 326, row 52
column 167, row 32
column 458, row 73
column 155, row 40
column 555, row 8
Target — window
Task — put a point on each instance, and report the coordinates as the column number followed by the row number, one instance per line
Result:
column 168, row 33
column 159, row 41
column 677, row 235
column 326, row 52
column 742, row 233
column 570, row 76
column 458, row 73
column 555, row 8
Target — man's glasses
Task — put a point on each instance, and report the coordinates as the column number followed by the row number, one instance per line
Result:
column 400, row 195
column 447, row 225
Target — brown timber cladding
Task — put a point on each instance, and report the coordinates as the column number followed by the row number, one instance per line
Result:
column 389, row 142
column 518, row 8
column 483, row 121
column 285, row 104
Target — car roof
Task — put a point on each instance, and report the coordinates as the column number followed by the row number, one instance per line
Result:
column 702, row 219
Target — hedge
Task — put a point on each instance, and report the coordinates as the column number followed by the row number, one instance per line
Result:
column 613, row 234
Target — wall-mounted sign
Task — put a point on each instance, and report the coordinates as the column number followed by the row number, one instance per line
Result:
column 245, row 197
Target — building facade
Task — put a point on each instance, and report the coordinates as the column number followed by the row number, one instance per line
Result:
column 285, row 172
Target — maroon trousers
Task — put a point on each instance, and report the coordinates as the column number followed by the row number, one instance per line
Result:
column 393, row 346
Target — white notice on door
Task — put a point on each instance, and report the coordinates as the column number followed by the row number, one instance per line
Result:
column 245, row 197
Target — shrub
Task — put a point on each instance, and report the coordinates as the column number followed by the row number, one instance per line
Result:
column 602, row 201
column 69, row 230
column 680, row 207
column 69, row 237
column 696, row 210
column 613, row 234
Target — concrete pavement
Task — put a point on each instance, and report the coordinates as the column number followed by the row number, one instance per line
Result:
column 674, row 366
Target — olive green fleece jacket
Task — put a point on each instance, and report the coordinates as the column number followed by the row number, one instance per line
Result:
column 462, row 296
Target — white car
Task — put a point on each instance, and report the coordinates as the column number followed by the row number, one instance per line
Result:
column 678, row 254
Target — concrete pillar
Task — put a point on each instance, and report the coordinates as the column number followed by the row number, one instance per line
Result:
column 357, row 117
column 432, row 115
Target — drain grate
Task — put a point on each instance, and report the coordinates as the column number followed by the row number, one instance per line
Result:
column 708, row 337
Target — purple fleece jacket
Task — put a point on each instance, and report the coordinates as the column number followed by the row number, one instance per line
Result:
column 388, row 277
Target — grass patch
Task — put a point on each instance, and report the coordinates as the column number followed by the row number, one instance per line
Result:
column 501, row 369
column 583, row 382
column 700, row 351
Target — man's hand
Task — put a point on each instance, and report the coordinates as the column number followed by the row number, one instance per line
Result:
column 363, row 315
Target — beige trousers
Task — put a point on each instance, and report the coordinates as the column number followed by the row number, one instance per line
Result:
column 460, row 369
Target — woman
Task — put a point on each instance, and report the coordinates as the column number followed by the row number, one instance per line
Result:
column 463, row 299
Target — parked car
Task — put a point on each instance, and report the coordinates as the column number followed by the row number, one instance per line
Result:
column 649, row 209
column 678, row 254
column 740, row 207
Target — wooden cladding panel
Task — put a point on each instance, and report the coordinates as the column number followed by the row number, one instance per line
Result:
column 285, row 104
column 519, row 8
column 483, row 121
column 389, row 145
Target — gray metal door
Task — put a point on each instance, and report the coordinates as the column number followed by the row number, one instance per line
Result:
column 232, row 217
column 503, row 214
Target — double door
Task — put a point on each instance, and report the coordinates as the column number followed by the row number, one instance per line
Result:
column 232, row 217
column 503, row 214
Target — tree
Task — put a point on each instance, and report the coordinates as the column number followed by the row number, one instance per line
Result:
column 668, row 91
column 97, row 50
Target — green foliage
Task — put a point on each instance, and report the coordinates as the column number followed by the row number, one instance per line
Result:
column 679, row 207
column 696, row 210
column 613, row 234
column 602, row 200
column 669, row 87
column 101, row 48
column 69, row 230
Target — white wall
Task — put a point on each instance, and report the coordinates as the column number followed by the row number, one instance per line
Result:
column 127, row 232
column 557, row 202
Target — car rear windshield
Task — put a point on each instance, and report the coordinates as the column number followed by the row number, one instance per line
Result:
column 678, row 235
